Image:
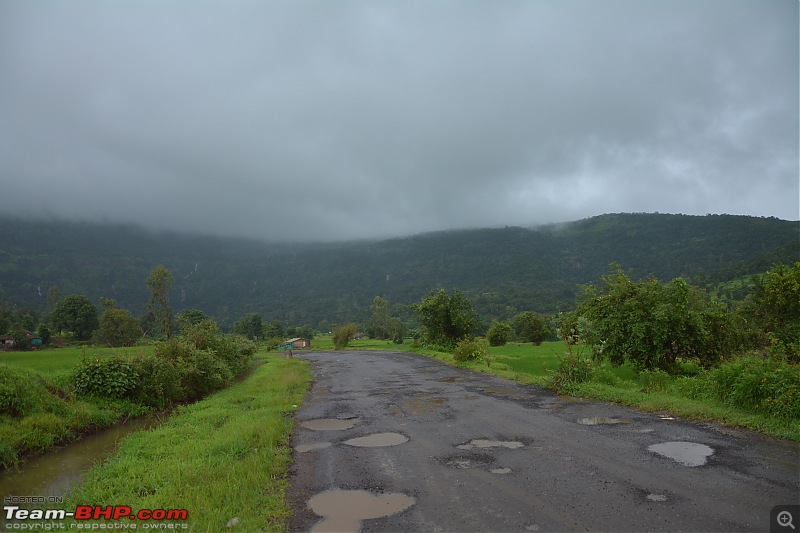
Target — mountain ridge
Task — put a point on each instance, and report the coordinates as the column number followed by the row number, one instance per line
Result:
column 502, row 269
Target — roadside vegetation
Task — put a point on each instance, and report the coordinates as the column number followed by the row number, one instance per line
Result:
column 224, row 458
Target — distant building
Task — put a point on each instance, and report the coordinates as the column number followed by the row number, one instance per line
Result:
column 298, row 343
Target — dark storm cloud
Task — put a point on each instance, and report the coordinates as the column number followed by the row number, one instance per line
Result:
column 330, row 120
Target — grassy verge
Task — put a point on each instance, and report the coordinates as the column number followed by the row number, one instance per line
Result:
column 689, row 396
column 222, row 458
column 37, row 410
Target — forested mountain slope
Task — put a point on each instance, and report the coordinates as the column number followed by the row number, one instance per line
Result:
column 503, row 270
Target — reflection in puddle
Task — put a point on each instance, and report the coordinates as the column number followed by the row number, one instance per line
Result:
column 330, row 424
column 685, row 453
column 483, row 443
column 501, row 471
column 343, row 510
column 378, row 440
column 599, row 420
column 303, row 448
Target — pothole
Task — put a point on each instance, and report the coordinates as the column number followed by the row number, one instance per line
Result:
column 500, row 471
column 484, row 443
column 657, row 497
column 508, row 392
column 465, row 461
column 416, row 406
column 303, row 448
column 378, row 440
column 453, row 380
column 330, row 424
column 685, row 453
column 601, row 420
column 343, row 510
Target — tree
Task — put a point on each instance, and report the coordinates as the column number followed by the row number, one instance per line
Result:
column 531, row 327
column 53, row 297
column 190, row 317
column 652, row 324
column 342, row 335
column 160, row 283
column 273, row 330
column 117, row 328
column 249, row 326
column 446, row 319
column 378, row 326
column 773, row 307
column 499, row 333
column 76, row 314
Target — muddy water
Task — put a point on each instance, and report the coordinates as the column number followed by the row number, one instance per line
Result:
column 685, row 453
column 343, row 510
column 378, row 440
column 330, row 424
column 55, row 473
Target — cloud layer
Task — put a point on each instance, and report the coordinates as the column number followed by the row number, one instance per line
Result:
column 335, row 120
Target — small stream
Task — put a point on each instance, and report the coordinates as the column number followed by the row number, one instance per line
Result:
column 57, row 471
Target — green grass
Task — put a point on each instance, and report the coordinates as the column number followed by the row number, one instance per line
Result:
column 684, row 396
column 221, row 458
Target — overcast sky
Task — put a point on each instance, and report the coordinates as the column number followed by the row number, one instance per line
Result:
column 323, row 120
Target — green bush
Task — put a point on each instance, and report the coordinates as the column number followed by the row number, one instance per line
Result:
column 499, row 333
column 111, row 378
column 159, row 382
column 470, row 350
column 760, row 384
column 571, row 371
column 654, row 380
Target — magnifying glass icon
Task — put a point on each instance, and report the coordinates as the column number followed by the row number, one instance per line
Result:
column 785, row 519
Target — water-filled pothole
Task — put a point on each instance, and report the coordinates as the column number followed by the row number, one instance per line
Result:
column 303, row 448
column 330, row 424
column 685, row 453
column 500, row 471
column 343, row 510
column 378, row 440
column 656, row 497
column 484, row 443
column 416, row 406
column 601, row 420
column 508, row 392
column 453, row 380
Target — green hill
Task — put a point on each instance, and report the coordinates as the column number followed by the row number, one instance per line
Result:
column 502, row 270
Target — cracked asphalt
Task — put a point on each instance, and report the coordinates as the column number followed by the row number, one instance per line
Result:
column 486, row 454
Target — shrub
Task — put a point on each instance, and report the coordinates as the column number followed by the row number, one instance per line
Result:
column 571, row 371
column 112, row 378
column 342, row 335
column 159, row 382
column 760, row 384
column 654, row 380
column 499, row 333
column 470, row 350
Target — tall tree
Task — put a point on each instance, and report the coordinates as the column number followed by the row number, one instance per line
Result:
column 117, row 328
column 378, row 326
column 446, row 319
column 76, row 314
column 160, row 283
column 249, row 326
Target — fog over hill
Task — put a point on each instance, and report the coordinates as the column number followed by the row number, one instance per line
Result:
column 504, row 270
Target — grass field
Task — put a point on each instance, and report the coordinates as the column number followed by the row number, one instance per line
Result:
column 222, row 458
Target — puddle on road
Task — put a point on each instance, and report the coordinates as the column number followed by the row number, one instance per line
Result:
column 378, row 440
column 330, row 424
column 343, row 510
column 500, row 471
column 601, row 420
column 483, row 443
column 303, row 448
column 685, row 453
column 656, row 497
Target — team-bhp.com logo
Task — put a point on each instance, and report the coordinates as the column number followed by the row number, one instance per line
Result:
column 92, row 512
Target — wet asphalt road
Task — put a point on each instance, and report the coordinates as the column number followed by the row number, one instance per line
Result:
column 486, row 454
